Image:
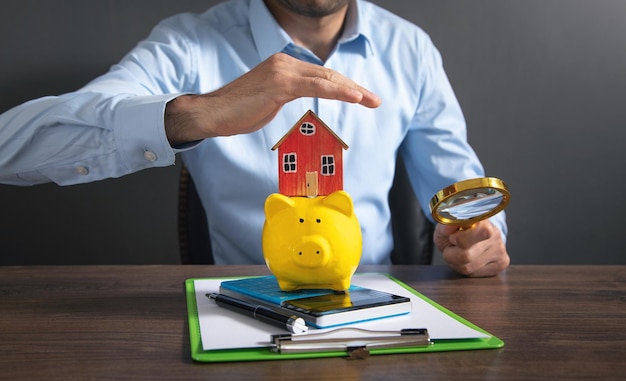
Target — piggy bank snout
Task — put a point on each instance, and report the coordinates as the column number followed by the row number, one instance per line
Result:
column 312, row 251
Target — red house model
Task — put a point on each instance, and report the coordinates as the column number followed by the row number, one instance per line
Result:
column 310, row 159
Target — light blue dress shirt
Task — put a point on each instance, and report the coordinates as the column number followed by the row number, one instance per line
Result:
column 114, row 125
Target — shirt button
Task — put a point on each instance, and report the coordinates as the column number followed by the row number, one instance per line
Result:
column 150, row 156
column 82, row 171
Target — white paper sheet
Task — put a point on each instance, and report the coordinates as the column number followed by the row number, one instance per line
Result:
column 224, row 329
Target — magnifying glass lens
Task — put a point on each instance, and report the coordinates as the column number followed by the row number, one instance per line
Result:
column 469, row 201
column 470, row 204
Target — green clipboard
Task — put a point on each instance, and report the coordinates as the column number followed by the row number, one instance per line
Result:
column 261, row 353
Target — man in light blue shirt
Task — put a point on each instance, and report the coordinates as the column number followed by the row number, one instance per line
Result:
column 224, row 86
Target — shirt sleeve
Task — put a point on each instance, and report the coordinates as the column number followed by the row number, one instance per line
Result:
column 436, row 151
column 111, row 127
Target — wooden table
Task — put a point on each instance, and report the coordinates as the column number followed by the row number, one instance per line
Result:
column 129, row 322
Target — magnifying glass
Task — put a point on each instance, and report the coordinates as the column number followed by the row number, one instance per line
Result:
column 466, row 202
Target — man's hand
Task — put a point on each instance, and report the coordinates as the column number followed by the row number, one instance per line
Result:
column 252, row 100
column 477, row 252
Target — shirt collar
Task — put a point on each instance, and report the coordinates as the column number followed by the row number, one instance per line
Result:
column 355, row 29
column 270, row 38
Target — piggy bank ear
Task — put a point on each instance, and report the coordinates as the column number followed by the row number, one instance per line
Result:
column 340, row 201
column 275, row 203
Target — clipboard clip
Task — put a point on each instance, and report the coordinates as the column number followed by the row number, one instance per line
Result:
column 357, row 342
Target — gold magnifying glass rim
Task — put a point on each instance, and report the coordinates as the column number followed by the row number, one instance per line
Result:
column 466, row 185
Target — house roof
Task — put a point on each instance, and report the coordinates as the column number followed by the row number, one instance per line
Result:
column 297, row 125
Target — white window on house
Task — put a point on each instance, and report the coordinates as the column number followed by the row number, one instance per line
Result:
column 328, row 165
column 290, row 162
column 307, row 128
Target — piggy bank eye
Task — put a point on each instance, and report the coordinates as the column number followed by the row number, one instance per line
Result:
column 318, row 220
column 302, row 220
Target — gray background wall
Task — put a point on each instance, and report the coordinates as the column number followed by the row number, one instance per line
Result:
column 542, row 84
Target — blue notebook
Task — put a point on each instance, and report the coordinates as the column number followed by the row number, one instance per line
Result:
column 320, row 308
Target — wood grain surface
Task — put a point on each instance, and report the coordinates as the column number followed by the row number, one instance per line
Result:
column 130, row 323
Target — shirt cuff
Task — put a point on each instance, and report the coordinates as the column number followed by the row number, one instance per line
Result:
column 139, row 130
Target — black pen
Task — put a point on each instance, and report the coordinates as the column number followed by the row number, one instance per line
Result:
column 292, row 323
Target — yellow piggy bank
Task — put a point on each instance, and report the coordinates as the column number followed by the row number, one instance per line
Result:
column 312, row 242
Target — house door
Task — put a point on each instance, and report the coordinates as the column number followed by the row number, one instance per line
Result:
column 311, row 184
